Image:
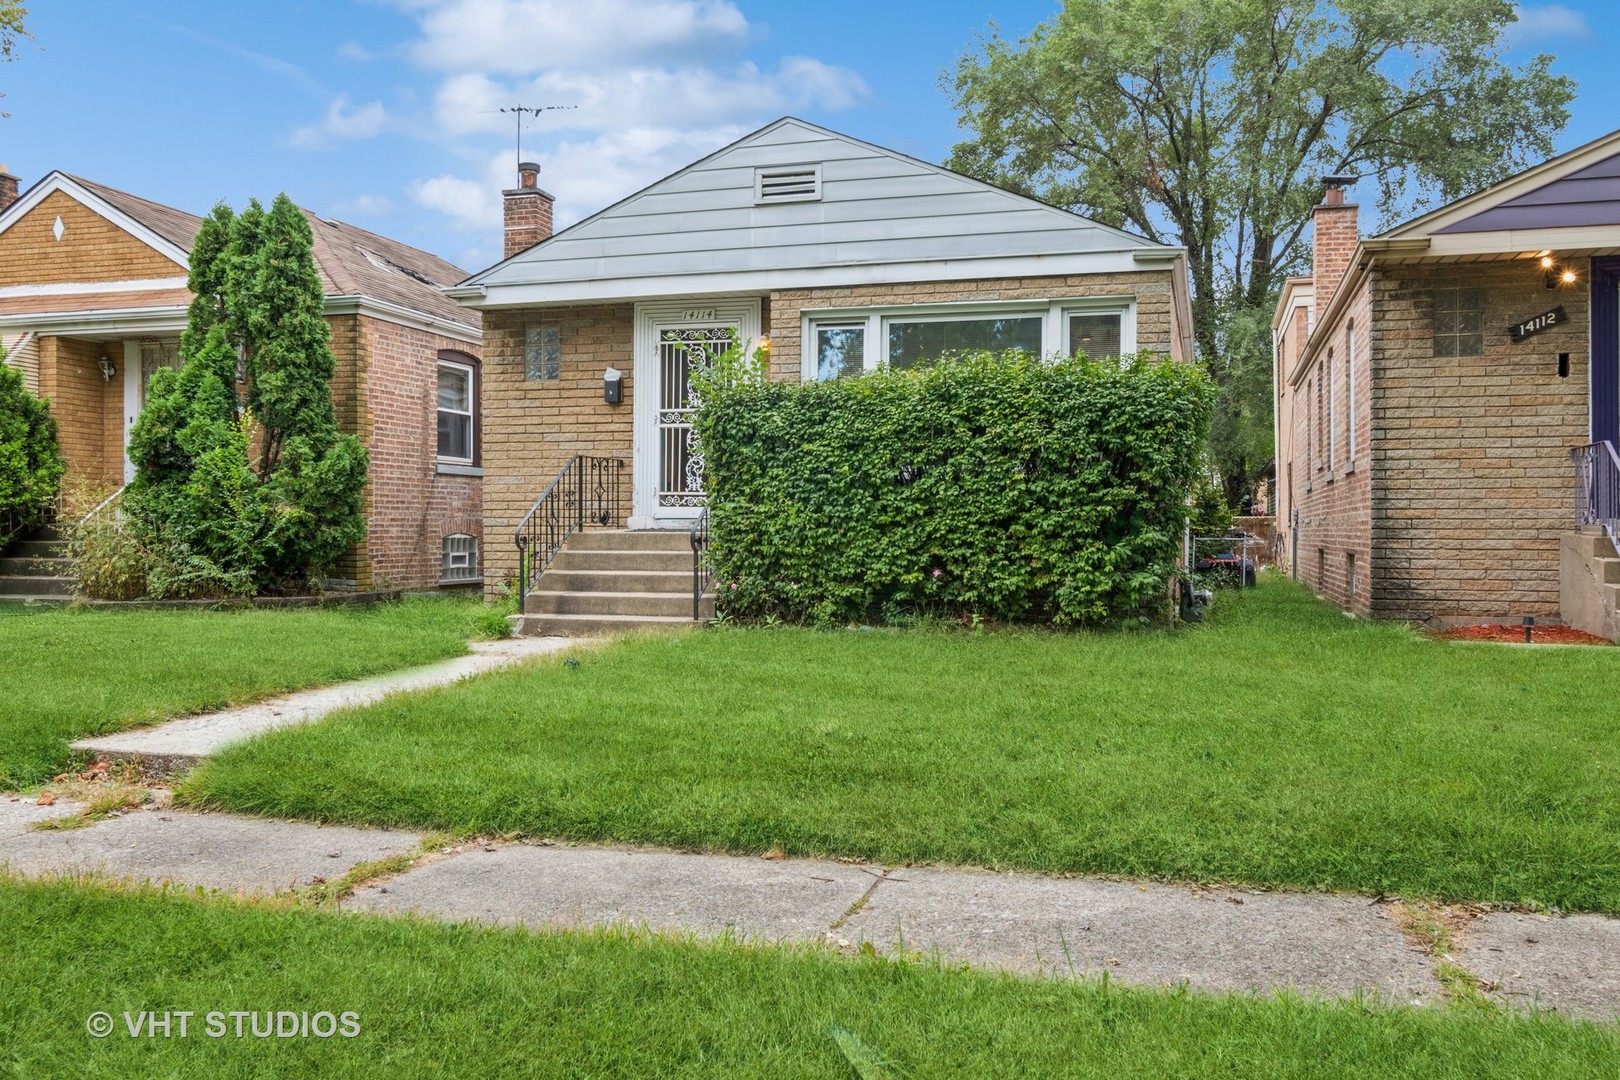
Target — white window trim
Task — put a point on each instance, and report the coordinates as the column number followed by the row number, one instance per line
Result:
column 1054, row 316
column 471, row 413
column 1350, row 393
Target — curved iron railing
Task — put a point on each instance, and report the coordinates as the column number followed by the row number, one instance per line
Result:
column 587, row 491
column 702, row 572
column 1597, row 488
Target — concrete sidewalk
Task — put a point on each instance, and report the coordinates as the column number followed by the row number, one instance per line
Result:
column 180, row 744
column 1207, row 938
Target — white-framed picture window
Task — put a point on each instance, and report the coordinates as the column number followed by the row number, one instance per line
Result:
column 458, row 395
column 847, row 342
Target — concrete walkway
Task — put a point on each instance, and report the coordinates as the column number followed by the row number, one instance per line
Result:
column 1207, row 938
column 181, row 744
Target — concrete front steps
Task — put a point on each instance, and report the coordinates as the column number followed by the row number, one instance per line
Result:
column 37, row 568
column 607, row 581
column 1589, row 583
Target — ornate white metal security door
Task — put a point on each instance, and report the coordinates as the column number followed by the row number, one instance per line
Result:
column 682, row 351
column 673, row 340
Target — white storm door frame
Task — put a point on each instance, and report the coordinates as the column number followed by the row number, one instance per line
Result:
column 652, row 318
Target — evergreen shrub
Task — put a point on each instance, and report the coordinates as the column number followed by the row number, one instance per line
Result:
column 998, row 486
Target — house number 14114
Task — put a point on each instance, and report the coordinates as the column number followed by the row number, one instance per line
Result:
column 697, row 314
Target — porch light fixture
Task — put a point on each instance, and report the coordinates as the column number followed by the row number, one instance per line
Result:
column 612, row 386
column 107, row 369
column 1554, row 275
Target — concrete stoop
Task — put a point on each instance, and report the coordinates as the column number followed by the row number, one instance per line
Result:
column 607, row 581
column 37, row 568
column 1589, row 583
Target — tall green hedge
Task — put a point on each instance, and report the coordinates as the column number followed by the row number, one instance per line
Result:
column 30, row 463
column 997, row 485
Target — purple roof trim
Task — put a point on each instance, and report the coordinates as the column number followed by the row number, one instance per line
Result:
column 1588, row 197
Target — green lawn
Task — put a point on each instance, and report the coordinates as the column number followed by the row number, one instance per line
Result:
column 65, row 673
column 439, row 1000
column 1281, row 744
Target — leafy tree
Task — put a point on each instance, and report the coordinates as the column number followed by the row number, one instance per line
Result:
column 12, row 30
column 249, row 489
column 30, row 464
column 1208, row 124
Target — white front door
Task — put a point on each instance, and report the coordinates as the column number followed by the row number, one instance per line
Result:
column 670, row 339
column 141, row 359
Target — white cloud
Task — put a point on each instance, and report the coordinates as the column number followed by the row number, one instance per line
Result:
column 648, row 86
column 353, row 50
column 472, row 204
column 519, row 37
column 341, row 122
column 647, row 97
column 1549, row 22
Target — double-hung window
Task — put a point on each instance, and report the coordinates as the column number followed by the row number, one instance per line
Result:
column 848, row 342
column 458, row 396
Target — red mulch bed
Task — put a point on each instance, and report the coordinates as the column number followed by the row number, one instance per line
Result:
column 1539, row 635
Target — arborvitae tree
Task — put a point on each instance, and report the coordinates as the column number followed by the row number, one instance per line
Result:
column 30, row 464
column 275, row 522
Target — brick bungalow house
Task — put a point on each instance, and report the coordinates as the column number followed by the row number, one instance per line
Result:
column 843, row 254
column 93, row 298
column 1448, row 401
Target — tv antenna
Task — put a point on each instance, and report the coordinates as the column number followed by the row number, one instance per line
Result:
column 528, row 110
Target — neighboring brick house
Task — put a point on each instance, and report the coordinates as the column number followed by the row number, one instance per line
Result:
column 844, row 255
column 1439, row 389
column 93, row 299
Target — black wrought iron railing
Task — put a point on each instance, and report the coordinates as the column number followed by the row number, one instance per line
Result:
column 588, row 491
column 1597, row 488
column 702, row 572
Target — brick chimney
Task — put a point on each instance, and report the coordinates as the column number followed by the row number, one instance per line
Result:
column 8, row 188
column 528, row 211
column 1334, row 227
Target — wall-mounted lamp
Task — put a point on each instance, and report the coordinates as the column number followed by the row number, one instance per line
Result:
column 1555, row 275
column 612, row 386
column 107, row 369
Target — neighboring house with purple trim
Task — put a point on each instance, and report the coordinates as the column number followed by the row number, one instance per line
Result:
column 1448, row 403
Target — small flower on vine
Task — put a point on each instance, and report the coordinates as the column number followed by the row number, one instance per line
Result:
column 733, row 585
column 938, row 572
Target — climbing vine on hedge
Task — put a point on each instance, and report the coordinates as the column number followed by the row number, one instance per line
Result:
column 997, row 485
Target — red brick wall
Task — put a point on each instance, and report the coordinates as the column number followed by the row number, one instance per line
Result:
column 1331, row 548
column 527, row 214
column 410, row 506
column 1332, row 246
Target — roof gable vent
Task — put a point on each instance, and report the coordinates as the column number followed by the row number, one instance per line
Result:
column 787, row 183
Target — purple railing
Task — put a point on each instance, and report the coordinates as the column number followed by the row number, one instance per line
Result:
column 1597, row 488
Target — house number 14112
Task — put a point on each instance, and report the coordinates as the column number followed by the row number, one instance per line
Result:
column 1534, row 326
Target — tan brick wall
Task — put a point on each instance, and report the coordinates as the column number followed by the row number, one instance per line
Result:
column 91, row 249
column 1328, row 472
column 88, row 408
column 1472, row 481
column 1151, row 290
column 531, row 429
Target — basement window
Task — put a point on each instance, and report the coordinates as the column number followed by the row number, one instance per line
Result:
column 460, row 561
column 787, row 183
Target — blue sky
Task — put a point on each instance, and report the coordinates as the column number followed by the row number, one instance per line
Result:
column 381, row 112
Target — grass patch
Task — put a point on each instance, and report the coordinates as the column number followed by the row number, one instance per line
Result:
column 440, row 1000
column 68, row 673
column 1281, row 744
